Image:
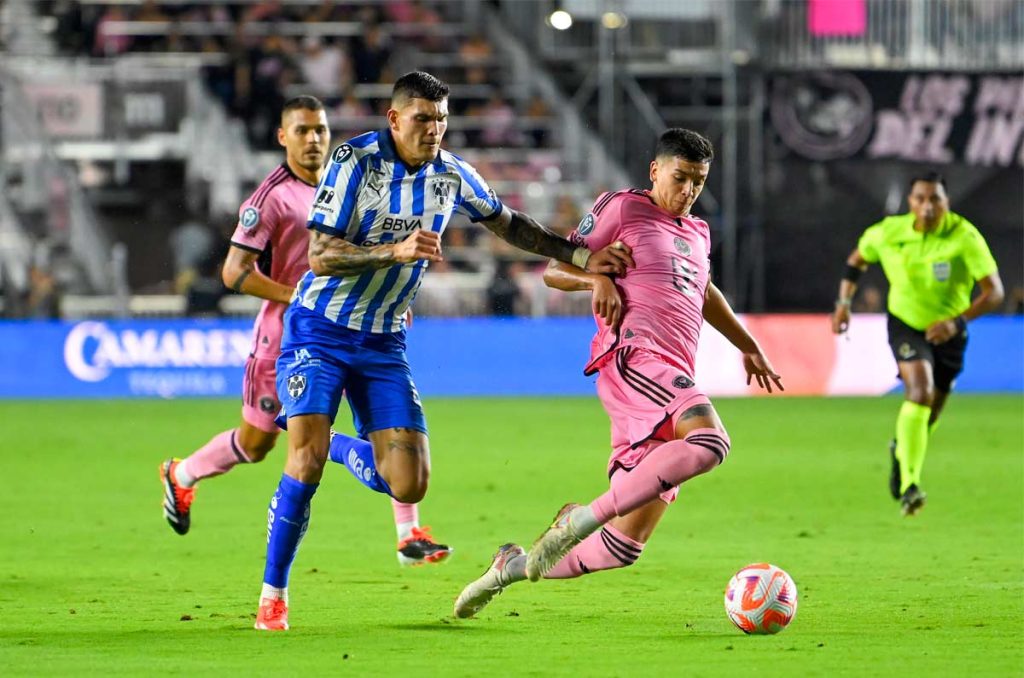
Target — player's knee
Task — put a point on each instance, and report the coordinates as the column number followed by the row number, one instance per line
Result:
column 411, row 489
column 256, row 445
column 921, row 394
column 306, row 462
column 714, row 440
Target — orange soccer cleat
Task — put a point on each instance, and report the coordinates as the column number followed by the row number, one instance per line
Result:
column 272, row 615
column 177, row 499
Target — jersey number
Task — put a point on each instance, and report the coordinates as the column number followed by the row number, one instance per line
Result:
column 683, row 276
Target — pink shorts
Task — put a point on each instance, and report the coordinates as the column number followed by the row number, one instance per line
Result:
column 644, row 395
column 259, row 394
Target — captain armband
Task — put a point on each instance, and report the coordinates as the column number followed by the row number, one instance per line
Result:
column 580, row 257
column 852, row 274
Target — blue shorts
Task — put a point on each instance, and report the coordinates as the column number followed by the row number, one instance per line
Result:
column 320, row 361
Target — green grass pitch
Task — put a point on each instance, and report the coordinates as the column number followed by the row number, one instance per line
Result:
column 94, row 582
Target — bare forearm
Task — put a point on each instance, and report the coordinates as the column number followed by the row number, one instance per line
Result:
column 988, row 300
column 336, row 257
column 522, row 231
column 250, row 281
column 719, row 315
column 568, row 278
column 847, row 289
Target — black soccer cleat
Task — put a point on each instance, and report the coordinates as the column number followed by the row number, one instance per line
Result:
column 895, row 478
column 420, row 548
column 912, row 500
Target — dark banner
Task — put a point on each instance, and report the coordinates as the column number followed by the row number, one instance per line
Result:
column 932, row 118
column 98, row 111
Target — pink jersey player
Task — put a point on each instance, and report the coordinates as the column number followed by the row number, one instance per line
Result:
column 647, row 363
column 272, row 219
column 664, row 429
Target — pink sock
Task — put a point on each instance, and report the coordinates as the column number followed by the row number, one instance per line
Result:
column 605, row 549
column 668, row 465
column 218, row 456
column 407, row 516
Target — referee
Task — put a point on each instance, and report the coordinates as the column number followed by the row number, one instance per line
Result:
column 932, row 258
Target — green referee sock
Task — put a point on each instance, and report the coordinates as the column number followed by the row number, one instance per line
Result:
column 911, row 442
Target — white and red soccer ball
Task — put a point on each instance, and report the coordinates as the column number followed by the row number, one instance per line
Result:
column 760, row 599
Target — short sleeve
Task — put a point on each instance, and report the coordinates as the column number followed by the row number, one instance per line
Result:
column 335, row 202
column 870, row 243
column 476, row 199
column 602, row 225
column 977, row 256
column 258, row 218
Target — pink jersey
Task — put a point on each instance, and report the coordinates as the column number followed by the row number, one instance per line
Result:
column 664, row 293
column 274, row 217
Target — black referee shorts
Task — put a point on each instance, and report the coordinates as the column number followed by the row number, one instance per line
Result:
column 947, row 359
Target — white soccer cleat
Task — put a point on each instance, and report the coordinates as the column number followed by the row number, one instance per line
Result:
column 482, row 590
column 551, row 546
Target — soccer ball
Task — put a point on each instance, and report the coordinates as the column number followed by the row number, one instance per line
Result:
column 760, row 599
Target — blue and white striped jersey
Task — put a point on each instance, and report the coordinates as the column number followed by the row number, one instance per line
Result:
column 368, row 196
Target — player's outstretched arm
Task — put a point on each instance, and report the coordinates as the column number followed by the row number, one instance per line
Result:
column 333, row 256
column 719, row 315
column 519, row 229
column 240, row 274
column 855, row 266
column 606, row 301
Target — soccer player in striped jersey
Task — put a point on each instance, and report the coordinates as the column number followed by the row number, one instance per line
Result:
column 379, row 212
column 664, row 429
column 272, row 218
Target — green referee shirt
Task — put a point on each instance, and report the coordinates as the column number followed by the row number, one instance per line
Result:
column 931, row 275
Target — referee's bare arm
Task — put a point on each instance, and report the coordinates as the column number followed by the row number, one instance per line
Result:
column 519, row 229
column 855, row 266
column 333, row 256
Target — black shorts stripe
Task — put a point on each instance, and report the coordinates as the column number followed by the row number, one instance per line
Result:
column 250, row 376
column 637, row 385
column 628, row 548
column 619, row 466
column 234, row 448
column 614, row 550
column 272, row 180
column 708, row 446
column 643, row 377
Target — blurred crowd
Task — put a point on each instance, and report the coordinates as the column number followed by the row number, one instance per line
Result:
column 255, row 55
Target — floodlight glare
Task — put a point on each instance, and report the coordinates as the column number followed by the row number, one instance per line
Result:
column 560, row 20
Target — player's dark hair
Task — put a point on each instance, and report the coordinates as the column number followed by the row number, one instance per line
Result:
column 303, row 102
column 931, row 177
column 419, row 85
column 685, row 144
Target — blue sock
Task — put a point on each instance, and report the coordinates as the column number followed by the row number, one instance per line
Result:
column 356, row 455
column 287, row 520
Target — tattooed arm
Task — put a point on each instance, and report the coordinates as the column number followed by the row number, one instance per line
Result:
column 240, row 274
column 520, row 229
column 338, row 257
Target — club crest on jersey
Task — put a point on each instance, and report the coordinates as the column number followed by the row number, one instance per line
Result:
column 906, row 351
column 342, row 153
column 250, row 218
column 941, row 270
column 442, row 193
column 683, row 247
column 296, row 385
column 586, row 226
